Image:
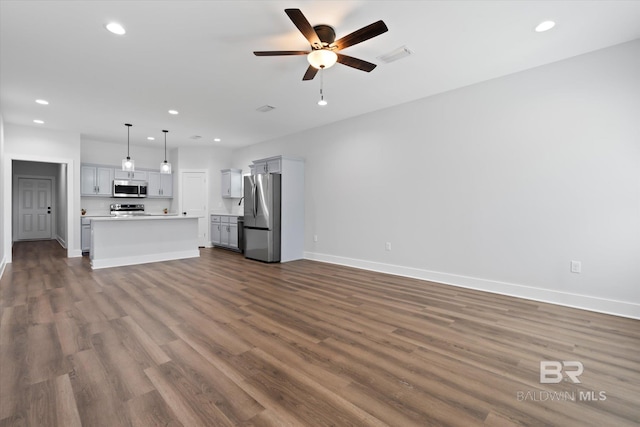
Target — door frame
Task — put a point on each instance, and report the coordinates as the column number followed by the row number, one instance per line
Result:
column 16, row 204
column 73, row 199
column 206, row 196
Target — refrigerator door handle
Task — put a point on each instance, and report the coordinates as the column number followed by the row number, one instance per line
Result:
column 255, row 201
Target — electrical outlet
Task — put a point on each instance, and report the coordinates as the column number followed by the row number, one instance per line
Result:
column 315, row 237
column 387, row 246
column 576, row 267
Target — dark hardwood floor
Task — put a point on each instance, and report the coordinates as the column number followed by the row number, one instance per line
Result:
column 224, row 341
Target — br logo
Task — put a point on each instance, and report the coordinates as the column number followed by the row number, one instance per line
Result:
column 551, row 371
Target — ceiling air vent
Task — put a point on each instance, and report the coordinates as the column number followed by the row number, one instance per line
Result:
column 195, row 137
column 265, row 108
column 394, row 55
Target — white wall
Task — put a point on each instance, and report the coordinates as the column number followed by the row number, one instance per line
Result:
column 42, row 145
column 496, row 186
column 3, row 260
column 61, row 205
column 107, row 153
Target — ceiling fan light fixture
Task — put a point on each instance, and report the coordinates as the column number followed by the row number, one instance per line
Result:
column 322, row 58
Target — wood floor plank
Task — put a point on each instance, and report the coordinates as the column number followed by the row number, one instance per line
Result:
column 44, row 355
column 125, row 373
column 185, row 399
column 13, row 364
column 228, row 396
column 150, row 409
column 97, row 401
column 51, row 403
column 139, row 342
column 225, row 341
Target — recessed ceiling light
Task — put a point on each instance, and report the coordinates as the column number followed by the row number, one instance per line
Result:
column 265, row 108
column 115, row 28
column 42, row 101
column 217, row 139
column 174, row 112
column 545, row 26
column 150, row 138
column 40, row 122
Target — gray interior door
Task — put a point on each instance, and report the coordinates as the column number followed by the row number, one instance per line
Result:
column 34, row 208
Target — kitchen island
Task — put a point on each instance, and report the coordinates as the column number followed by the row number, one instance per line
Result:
column 118, row 241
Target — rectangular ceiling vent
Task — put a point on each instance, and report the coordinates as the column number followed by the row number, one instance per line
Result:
column 265, row 108
column 394, row 55
column 195, row 137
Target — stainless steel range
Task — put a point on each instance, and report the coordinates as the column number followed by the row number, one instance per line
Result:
column 125, row 209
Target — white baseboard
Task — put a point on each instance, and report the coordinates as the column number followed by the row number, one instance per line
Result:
column 62, row 242
column 74, row 253
column 143, row 259
column 600, row 305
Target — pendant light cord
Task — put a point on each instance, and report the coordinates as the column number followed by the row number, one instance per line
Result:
column 128, row 127
column 165, row 145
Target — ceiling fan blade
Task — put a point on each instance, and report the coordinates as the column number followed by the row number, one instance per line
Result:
column 311, row 73
column 359, row 64
column 280, row 52
column 305, row 28
column 358, row 36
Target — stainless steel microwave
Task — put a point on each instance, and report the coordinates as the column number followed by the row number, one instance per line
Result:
column 129, row 188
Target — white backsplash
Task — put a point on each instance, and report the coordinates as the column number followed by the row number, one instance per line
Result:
column 97, row 206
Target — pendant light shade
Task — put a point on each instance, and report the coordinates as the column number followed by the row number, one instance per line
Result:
column 127, row 163
column 165, row 167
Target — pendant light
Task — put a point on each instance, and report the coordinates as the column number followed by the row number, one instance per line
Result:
column 165, row 167
column 322, row 102
column 128, row 164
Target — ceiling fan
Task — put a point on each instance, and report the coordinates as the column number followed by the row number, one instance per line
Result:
column 324, row 46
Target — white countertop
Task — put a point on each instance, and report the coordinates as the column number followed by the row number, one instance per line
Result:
column 226, row 214
column 143, row 217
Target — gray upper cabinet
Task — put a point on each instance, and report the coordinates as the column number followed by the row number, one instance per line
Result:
column 231, row 183
column 270, row 165
column 96, row 180
column 126, row 175
column 160, row 185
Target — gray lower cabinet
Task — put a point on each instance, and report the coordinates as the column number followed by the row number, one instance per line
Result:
column 85, row 235
column 224, row 231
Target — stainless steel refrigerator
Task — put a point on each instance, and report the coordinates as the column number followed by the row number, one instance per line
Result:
column 262, row 217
